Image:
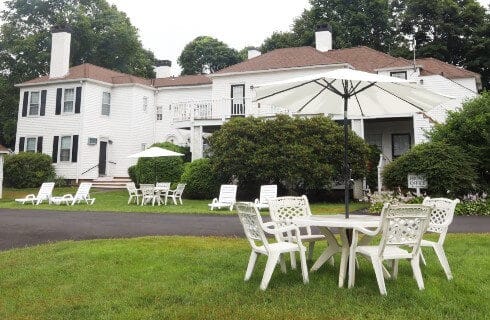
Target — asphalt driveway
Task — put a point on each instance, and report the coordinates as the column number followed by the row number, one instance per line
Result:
column 20, row 228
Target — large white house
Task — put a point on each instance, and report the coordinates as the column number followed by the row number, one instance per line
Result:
column 90, row 119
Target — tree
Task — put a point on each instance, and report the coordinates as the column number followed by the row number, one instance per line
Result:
column 206, row 54
column 354, row 23
column 454, row 31
column 101, row 35
column 469, row 129
column 279, row 40
column 299, row 155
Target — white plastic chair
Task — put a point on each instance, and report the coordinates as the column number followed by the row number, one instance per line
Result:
column 227, row 197
column 254, row 229
column 441, row 217
column 82, row 194
column 45, row 193
column 148, row 194
column 266, row 192
column 402, row 225
column 133, row 192
column 161, row 190
column 176, row 193
column 284, row 209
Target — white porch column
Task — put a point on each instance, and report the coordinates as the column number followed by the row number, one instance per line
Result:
column 196, row 142
column 421, row 125
column 357, row 126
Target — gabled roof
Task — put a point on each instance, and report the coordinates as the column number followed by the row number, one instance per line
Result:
column 366, row 59
column 191, row 80
column 431, row 66
column 90, row 71
column 280, row 59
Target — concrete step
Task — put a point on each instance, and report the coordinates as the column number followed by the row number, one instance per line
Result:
column 110, row 182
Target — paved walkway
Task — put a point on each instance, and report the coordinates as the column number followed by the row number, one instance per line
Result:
column 19, row 228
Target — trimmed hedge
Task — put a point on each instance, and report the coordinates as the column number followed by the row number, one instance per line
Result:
column 200, row 181
column 28, row 170
column 449, row 171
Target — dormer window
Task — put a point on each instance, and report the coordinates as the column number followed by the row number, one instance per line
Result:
column 399, row 74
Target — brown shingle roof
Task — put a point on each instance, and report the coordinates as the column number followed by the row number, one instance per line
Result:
column 432, row 66
column 191, row 80
column 94, row 72
column 3, row 149
column 366, row 59
column 282, row 58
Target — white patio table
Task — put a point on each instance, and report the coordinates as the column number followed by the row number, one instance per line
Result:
column 324, row 223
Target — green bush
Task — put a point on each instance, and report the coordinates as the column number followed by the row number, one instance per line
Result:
column 28, row 170
column 186, row 151
column 201, row 182
column 132, row 174
column 448, row 169
column 479, row 207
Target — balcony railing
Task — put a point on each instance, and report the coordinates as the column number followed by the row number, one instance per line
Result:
column 221, row 109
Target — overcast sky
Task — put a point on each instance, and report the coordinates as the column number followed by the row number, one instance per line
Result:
column 165, row 27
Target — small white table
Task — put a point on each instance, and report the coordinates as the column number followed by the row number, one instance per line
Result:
column 324, row 223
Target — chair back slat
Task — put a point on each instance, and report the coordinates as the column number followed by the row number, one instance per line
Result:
column 147, row 190
column 288, row 208
column 267, row 192
column 131, row 187
column 227, row 193
column 180, row 189
column 83, row 190
column 163, row 185
column 442, row 215
column 46, row 190
column 252, row 223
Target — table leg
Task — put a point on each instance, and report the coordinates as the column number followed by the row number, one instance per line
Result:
column 333, row 247
column 344, row 257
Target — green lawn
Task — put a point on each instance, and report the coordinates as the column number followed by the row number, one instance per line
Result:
column 202, row 278
column 116, row 201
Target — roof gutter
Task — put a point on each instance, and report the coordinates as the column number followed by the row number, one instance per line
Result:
column 335, row 65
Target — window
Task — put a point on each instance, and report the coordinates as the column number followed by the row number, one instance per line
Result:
column 400, row 144
column 65, row 149
column 69, row 100
column 145, row 103
column 31, row 144
column 106, row 103
column 238, row 99
column 159, row 113
column 34, row 104
column 399, row 74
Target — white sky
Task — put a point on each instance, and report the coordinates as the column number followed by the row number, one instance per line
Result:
column 165, row 27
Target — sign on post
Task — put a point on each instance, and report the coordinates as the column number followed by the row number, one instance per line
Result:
column 417, row 181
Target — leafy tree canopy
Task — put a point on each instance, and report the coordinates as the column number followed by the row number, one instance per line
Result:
column 206, row 55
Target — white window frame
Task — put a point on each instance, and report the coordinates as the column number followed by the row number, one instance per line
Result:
column 61, row 145
column 31, row 104
column 27, row 143
column 159, row 113
column 65, row 101
column 398, row 74
column 105, row 105
column 145, row 104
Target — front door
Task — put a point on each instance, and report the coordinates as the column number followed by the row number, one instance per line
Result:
column 102, row 158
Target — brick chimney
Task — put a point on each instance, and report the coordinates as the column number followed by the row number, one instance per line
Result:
column 60, row 51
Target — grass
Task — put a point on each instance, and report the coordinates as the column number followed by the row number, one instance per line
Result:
column 202, row 278
column 116, row 201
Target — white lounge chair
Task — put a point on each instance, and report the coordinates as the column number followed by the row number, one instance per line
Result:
column 440, row 219
column 82, row 194
column 266, row 192
column 227, row 197
column 134, row 193
column 254, row 230
column 402, row 225
column 175, row 193
column 45, row 193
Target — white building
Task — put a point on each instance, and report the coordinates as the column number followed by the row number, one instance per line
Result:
column 89, row 119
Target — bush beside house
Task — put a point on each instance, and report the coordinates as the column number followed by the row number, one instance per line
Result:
column 201, row 182
column 28, row 170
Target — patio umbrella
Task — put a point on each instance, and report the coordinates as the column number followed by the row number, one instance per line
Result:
column 155, row 152
column 350, row 93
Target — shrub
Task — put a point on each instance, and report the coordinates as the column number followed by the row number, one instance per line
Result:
column 28, row 170
column 201, row 182
column 132, row 174
column 448, row 169
column 473, row 208
column 469, row 128
column 186, row 151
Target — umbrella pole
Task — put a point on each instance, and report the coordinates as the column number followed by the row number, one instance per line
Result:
column 346, row 164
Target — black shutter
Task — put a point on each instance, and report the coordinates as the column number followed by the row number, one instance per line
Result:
column 21, row 144
column 55, row 149
column 78, row 99
column 74, row 149
column 24, row 103
column 59, row 92
column 40, row 144
column 43, row 103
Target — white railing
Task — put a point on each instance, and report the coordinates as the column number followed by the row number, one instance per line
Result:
column 221, row 109
column 383, row 160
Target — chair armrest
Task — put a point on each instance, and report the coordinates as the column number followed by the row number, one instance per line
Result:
column 31, row 196
column 257, row 202
column 366, row 231
column 275, row 230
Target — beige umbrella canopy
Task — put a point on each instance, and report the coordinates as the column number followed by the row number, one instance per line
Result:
column 350, row 93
